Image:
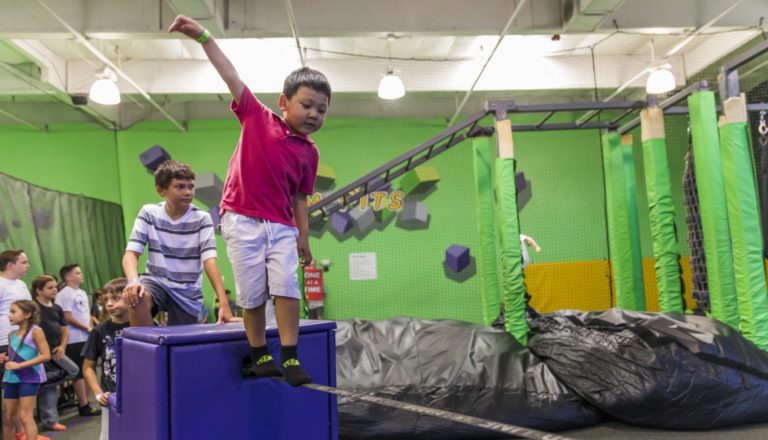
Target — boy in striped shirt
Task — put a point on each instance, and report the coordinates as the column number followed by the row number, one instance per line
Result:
column 181, row 242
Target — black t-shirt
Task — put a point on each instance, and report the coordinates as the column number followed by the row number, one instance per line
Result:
column 101, row 344
column 51, row 320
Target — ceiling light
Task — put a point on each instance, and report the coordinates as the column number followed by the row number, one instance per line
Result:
column 104, row 90
column 660, row 81
column 391, row 87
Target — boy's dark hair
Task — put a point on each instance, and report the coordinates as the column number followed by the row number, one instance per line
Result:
column 116, row 285
column 8, row 257
column 64, row 271
column 172, row 169
column 39, row 282
column 306, row 77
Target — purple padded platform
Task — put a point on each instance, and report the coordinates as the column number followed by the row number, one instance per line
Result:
column 185, row 382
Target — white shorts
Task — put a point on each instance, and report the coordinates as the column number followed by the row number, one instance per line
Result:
column 263, row 256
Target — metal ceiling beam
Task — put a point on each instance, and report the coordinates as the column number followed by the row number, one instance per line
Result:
column 295, row 31
column 103, row 58
column 59, row 95
column 683, row 14
column 729, row 74
column 667, row 103
column 138, row 19
column 20, row 120
column 502, row 34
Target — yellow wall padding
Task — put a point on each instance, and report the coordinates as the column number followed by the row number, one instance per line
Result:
column 585, row 285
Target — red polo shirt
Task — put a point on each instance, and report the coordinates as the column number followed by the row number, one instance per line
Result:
column 269, row 165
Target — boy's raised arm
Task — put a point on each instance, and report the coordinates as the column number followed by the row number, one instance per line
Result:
column 195, row 31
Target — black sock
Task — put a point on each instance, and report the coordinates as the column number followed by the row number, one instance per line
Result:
column 262, row 363
column 294, row 373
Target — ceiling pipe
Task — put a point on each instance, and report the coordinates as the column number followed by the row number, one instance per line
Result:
column 19, row 120
column 58, row 95
column 295, row 31
column 677, row 48
column 103, row 58
column 503, row 34
column 701, row 29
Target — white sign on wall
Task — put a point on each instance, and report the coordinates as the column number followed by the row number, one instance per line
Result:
column 362, row 266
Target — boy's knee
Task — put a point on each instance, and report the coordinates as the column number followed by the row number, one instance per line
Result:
column 9, row 417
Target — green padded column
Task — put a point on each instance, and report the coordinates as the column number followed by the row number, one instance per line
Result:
column 714, row 219
column 513, row 287
column 638, row 283
column 484, row 152
column 627, row 264
column 746, row 233
column 661, row 211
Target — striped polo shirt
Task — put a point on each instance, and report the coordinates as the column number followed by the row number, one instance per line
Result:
column 177, row 250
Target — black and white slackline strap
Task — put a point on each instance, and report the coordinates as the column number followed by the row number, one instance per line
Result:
column 447, row 415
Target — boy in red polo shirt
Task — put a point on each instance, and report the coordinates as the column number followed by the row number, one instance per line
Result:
column 265, row 222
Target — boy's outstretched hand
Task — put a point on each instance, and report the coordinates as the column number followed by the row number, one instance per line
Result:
column 187, row 26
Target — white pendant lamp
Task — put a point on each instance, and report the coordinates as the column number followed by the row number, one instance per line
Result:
column 391, row 87
column 660, row 81
column 104, row 90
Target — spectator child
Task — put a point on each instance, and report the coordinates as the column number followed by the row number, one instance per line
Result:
column 74, row 302
column 56, row 330
column 101, row 344
column 181, row 244
column 24, row 372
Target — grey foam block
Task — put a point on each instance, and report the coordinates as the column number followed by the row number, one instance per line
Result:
column 363, row 219
column 216, row 217
column 414, row 215
column 208, row 189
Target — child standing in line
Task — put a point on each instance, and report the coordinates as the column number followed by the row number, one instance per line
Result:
column 27, row 350
column 77, row 310
column 56, row 330
column 101, row 344
column 264, row 205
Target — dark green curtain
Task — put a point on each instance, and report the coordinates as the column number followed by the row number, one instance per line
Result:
column 56, row 228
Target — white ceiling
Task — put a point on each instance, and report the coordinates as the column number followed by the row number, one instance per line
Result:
column 52, row 49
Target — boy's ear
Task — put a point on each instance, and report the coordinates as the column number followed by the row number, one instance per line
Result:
column 159, row 189
column 282, row 102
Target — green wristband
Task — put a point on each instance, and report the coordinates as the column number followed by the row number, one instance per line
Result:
column 204, row 36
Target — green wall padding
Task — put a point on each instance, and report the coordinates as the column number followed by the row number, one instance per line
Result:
column 483, row 155
column 661, row 211
column 746, row 233
column 512, row 284
column 714, row 218
column 630, row 293
column 76, row 159
column 630, row 183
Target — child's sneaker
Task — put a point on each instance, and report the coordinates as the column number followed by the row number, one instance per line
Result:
column 292, row 369
column 264, row 366
column 294, row 373
column 88, row 410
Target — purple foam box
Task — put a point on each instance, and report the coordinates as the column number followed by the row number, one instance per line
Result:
column 457, row 257
column 341, row 222
column 153, row 158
